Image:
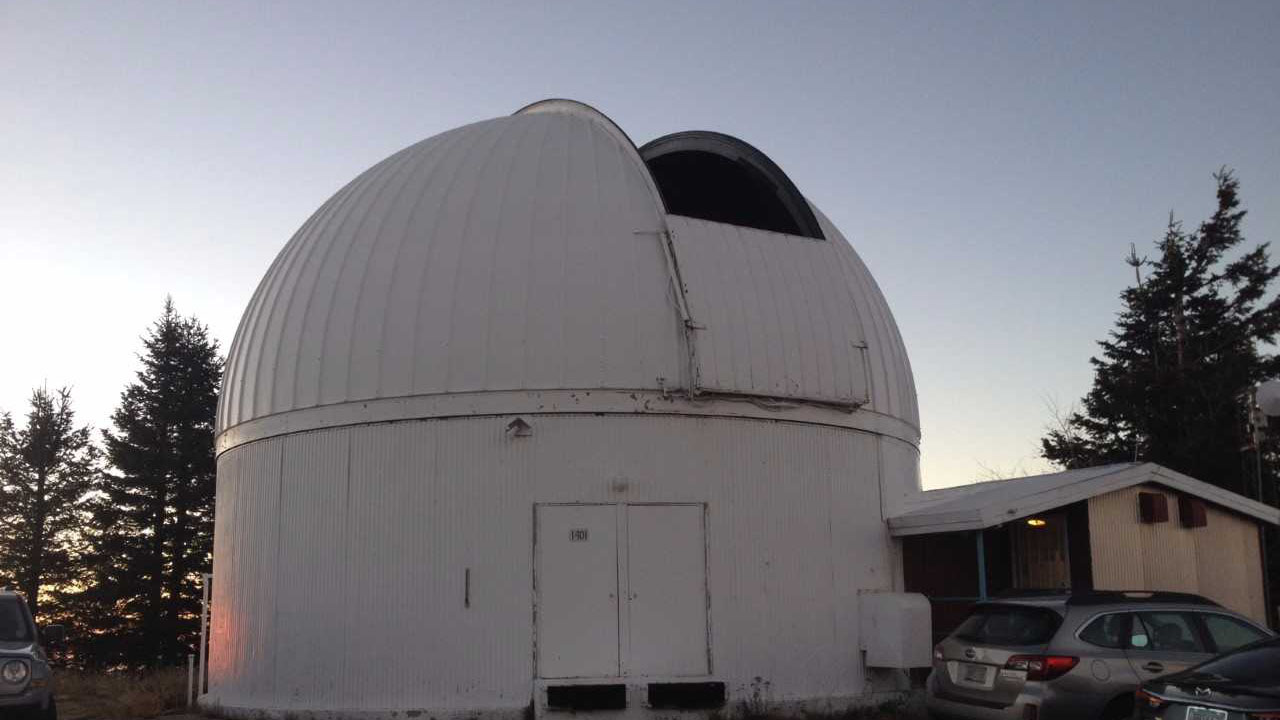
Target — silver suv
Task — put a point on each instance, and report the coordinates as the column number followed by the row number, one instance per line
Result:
column 26, row 683
column 1074, row 656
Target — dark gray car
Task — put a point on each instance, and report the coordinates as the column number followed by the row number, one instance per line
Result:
column 26, row 681
column 1075, row 656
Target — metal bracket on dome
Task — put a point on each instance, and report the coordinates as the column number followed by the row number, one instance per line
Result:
column 679, row 290
column 865, row 351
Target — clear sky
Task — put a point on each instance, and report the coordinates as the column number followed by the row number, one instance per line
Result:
column 991, row 162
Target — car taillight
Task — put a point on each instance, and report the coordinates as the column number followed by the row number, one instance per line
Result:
column 937, row 652
column 1042, row 667
column 1146, row 699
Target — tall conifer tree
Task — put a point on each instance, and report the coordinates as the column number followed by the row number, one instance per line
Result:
column 1192, row 339
column 153, row 524
column 47, row 469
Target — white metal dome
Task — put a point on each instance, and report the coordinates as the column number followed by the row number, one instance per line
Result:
column 526, row 409
column 534, row 253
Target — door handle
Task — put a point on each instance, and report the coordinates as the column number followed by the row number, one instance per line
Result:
column 1154, row 667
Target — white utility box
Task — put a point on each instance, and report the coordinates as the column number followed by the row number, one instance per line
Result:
column 897, row 629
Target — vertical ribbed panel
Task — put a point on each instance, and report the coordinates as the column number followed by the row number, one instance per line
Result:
column 793, row 317
column 312, row 551
column 1115, row 536
column 247, row 528
column 517, row 253
column 1228, row 563
column 341, row 579
column 222, row 663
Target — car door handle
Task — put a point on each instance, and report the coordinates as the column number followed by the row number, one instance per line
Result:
column 1154, row 667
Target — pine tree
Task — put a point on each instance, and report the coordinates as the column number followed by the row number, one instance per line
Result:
column 1172, row 383
column 152, row 533
column 47, row 469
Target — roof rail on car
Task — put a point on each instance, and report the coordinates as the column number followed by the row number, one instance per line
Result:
column 1032, row 592
column 1104, row 597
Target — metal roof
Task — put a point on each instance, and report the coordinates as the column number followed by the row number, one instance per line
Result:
column 987, row 504
column 533, row 253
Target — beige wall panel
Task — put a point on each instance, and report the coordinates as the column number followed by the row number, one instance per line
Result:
column 1221, row 561
column 1116, row 541
column 1168, row 549
column 1228, row 560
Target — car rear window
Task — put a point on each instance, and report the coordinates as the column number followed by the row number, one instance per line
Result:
column 1257, row 665
column 1014, row 625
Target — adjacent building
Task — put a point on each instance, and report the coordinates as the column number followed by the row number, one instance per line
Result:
column 1132, row 526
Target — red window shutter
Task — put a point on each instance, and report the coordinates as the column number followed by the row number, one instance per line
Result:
column 1192, row 513
column 1153, row 507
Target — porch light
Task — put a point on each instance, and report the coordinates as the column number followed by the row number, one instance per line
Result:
column 1036, row 522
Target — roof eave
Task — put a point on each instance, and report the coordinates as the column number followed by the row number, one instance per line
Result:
column 998, row 511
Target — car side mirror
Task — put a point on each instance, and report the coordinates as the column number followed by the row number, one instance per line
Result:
column 1139, row 641
column 52, row 634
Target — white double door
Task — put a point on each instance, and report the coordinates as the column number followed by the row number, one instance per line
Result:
column 621, row 590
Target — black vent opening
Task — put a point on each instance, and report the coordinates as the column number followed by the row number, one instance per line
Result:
column 587, row 697
column 717, row 177
column 686, row 695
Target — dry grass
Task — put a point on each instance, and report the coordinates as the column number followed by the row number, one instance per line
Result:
column 116, row 696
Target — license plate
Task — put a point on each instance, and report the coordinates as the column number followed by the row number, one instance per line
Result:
column 973, row 673
column 1203, row 713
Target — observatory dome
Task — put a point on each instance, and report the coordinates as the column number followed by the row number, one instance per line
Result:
column 537, row 252
column 526, row 417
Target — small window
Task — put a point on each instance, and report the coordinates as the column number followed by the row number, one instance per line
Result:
column 1192, row 513
column 1108, row 631
column 1012, row 625
column 1164, row 632
column 1229, row 633
column 1153, row 508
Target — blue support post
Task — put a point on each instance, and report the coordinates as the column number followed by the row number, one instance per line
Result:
column 982, row 566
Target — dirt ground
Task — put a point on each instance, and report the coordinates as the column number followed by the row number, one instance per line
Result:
column 120, row 696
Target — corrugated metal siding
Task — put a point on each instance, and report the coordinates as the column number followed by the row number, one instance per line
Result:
column 1229, row 562
column 1221, row 561
column 516, row 253
column 247, row 544
column 1116, row 541
column 357, row 577
column 313, row 484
